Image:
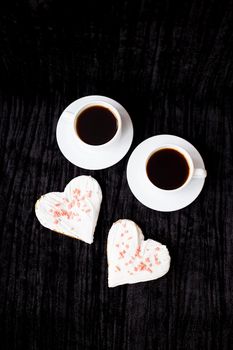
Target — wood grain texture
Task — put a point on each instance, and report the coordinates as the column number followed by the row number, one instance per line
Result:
column 171, row 66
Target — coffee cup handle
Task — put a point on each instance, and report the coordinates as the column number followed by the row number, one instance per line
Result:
column 199, row 173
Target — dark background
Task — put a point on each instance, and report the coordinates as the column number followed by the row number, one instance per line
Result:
column 171, row 65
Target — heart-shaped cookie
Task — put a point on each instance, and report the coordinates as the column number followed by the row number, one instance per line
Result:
column 73, row 212
column 130, row 258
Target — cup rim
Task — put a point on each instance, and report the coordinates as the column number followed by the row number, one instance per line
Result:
column 112, row 109
column 188, row 158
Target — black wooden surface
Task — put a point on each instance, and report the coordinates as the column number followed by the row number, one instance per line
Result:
column 171, row 66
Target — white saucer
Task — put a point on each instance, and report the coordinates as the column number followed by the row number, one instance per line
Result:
column 150, row 196
column 93, row 160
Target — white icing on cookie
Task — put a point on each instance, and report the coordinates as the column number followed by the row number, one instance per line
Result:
column 130, row 258
column 73, row 212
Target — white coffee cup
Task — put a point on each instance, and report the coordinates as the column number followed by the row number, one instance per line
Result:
column 193, row 172
column 75, row 115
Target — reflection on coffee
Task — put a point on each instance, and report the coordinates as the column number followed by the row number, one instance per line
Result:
column 167, row 169
column 96, row 125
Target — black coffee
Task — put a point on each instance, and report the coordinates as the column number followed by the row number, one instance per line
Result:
column 96, row 125
column 167, row 169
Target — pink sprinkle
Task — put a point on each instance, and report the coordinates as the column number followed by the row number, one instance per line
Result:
column 149, row 270
column 157, row 248
column 122, row 234
column 70, row 206
column 56, row 213
column 56, row 222
column 135, row 269
column 57, row 205
column 77, row 191
column 142, row 266
column 137, row 253
column 117, row 245
column 50, row 210
column 127, row 246
column 130, row 237
column 147, row 260
column 157, row 262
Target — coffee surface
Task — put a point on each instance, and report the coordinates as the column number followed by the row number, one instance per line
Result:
column 167, row 169
column 96, row 125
